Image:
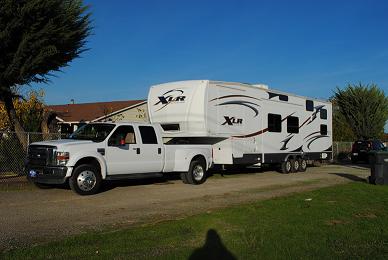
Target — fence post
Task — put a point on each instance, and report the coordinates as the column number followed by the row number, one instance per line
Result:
column 28, row 140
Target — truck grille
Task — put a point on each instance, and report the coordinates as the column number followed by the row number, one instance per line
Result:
column 41, row 155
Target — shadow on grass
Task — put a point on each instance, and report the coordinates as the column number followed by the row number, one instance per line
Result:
column 212, row 249
column 350, row 177
column 354, row 165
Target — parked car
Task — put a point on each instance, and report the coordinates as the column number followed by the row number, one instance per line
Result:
column 361, row 149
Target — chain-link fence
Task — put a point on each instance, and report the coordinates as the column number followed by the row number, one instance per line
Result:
column 342, row 151
column 13, row 155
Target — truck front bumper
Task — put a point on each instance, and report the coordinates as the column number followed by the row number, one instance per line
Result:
column 47, row 174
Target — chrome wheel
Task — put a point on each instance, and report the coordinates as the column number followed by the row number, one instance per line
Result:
column 86, row 180
column 303, row 164
column 296, row 165
column 198, row 172
column 288, row 166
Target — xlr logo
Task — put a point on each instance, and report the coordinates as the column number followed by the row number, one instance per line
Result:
column 171, row 96
column 232, row 121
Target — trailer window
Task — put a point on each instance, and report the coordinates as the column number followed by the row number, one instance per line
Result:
column 170, row 127
column 309, row 105
column 283, row 97
column 274, row 123
column 292, row 124
column 323, row 129
column 323, row 113
column 148, row 135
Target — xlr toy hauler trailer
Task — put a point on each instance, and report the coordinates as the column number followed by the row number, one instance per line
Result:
column 245, row 124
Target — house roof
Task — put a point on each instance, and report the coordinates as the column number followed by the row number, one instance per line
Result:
column 90, row 111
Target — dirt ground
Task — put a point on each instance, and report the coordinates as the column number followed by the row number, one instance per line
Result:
column 30, row 216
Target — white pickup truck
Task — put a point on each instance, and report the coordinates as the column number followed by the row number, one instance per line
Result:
column 112, row 151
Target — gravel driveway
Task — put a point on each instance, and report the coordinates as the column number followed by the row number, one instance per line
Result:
column 33, row 216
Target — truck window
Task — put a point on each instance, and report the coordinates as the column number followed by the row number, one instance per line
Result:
column 323, row 113
column 292, row 124
column 323, row 129
column 148, row 135
column 123, row 135
column 274, row 123
column 309, row 105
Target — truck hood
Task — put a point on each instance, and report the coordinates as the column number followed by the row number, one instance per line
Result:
column 63, row 142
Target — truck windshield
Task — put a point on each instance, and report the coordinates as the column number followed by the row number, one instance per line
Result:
column 93, row 132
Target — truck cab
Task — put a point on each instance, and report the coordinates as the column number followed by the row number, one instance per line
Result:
column 110, row 151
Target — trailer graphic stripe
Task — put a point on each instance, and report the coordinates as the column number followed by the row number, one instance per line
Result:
column 259, row 132
column 252, row 134
column 229, row 96
column 242, row 103
column 314, row 139
column 312, row 134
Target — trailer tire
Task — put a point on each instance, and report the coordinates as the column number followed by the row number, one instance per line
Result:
column 85, row 180
column 302, row 165
column 286, row 166
column 197, row 172
column 294, row 165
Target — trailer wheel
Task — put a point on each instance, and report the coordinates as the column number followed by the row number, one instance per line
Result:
column 86, row 180
column 294, row 165
column 197, row 172
column 286, row 166
column 302, row 165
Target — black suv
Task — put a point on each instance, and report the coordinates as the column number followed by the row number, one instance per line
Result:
column 360, row 149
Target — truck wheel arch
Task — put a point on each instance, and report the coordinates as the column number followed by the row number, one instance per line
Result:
column 201, row 158
column 90, row 160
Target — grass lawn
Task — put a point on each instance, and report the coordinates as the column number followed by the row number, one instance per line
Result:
column 342, row 222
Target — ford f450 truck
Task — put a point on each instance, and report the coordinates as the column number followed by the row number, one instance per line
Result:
column 113, row 151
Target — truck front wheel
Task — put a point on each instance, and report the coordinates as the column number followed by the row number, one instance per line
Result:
column 197, row 172
column 86, row 180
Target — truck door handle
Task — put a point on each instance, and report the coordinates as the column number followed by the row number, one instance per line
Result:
column 137, row 150
column 159, row 150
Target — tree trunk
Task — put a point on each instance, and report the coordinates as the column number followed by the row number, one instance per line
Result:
column 47, row 118
column 14, row 121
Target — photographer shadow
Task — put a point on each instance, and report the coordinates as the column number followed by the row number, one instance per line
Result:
column 212, row 249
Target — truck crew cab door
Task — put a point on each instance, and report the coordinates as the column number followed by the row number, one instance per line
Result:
column 151, row 159
column 121, row 153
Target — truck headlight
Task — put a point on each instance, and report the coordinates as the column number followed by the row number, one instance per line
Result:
column 62, row 158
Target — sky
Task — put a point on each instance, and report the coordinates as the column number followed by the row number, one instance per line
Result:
column 304, row 47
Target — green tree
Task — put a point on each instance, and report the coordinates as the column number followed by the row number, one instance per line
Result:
column 365, row 109
column 37, row 38
column 341, row 128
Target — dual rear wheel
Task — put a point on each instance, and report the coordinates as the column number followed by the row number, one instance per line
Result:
column 196, row 173
column 293, row 165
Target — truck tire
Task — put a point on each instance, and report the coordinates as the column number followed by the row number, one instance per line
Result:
column 286, row 167
column 184, row 177
column 302, row 165
column 197, row 172
column 85, row 180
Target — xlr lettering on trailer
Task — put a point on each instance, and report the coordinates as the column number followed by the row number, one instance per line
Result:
column 232, row 120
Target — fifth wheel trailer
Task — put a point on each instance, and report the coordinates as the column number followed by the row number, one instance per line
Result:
column 245, row 124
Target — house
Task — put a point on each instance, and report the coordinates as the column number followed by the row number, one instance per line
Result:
column 70, row 116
